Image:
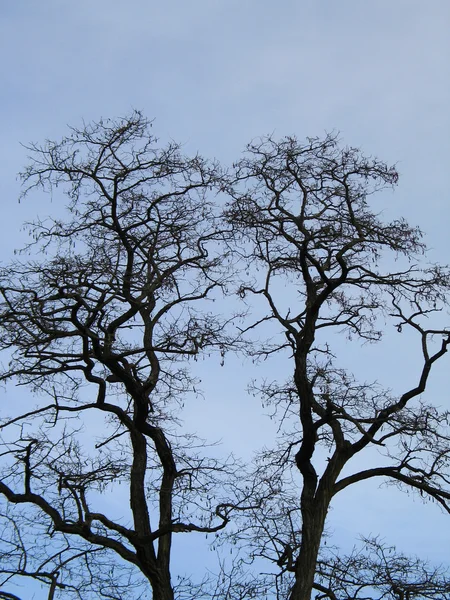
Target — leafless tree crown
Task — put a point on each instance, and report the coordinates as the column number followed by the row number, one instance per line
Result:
column 102, row 313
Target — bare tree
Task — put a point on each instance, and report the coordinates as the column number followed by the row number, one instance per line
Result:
column 100, row 316
column 100, row 323
column 375, row 571
column 324, row 263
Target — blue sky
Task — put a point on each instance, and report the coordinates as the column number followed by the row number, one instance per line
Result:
column 216, row 73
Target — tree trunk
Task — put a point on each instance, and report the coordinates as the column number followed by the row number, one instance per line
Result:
column 162, row 589
column 314, row 507
column 305, row 567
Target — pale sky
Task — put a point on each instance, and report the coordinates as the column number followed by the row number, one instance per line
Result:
column 216, row 73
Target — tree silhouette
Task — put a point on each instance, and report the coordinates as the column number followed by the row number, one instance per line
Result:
column 104, row 321
column 324, row 262
column 101, row 315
